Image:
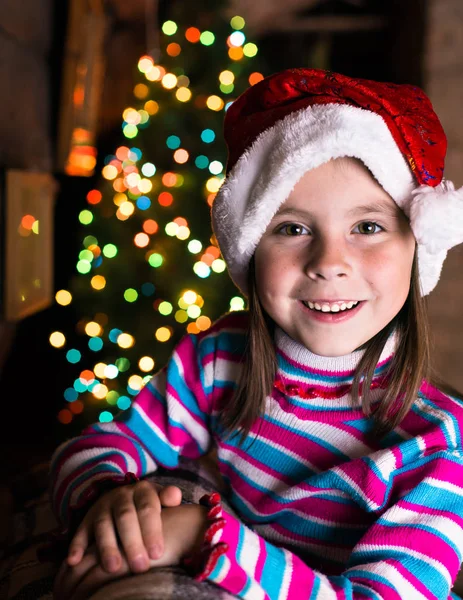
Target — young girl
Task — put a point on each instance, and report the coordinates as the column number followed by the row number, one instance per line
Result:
column 342, row 459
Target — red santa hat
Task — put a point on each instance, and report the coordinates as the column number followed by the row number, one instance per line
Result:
column 298, row 119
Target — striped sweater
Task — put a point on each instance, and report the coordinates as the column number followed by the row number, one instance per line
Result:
column 326, row 510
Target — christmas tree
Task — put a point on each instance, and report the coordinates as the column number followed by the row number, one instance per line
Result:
column 149, row 269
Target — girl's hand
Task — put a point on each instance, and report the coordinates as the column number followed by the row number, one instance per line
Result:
column 127, row 518
column 184, row 528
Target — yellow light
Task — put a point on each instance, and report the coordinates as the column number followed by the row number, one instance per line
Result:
column 163, row 334
column 92, row 329
column 193, row 311
column 135, row 382
column 35, row 227
column 169, row 81
column 183, row 233
column 218, row 266
column 151, row 107
column 215, row 103
column 183, row 94
column 125, row 340
column 146, row 364
column 181, row 156
column 171, row 229
column 226, row 77
column 63, row 297
column 119, row 199
column 121, row 216
column 99, row 370
column 203, row 323
column 155, row 74
column 131, row 116
column 98, row 282
column 100, row 391
column 213, row 184
column 127, row 208
column 181, row 316
column 190, row 297
column 141, row 91
column 141, row 240
column 145, row 64
column 145, row 186
column 57, row 339
column 109, row 172
column 183, row 305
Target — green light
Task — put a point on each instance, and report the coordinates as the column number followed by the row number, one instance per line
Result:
column 180, row 180
column 165, row 308
column 130, row 131
column 90, row 240
column 227, row 88
column 112, row 397
column 130, row 295
column 110, row 250
column 148, row 169
column 86, row 255
column 249, row 50
column 207, row 38
column 123, row 364
column 195, row 246
column 237, row 22
column 169, row 27
column 83, row 267
column 85, row 217
column 105, row 417
column 155, row 260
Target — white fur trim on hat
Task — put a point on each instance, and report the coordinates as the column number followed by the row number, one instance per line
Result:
column 268, row 170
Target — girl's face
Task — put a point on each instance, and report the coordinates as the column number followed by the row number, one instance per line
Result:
column 338, row 238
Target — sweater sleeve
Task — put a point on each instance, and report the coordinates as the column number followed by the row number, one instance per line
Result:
column 168, row 418
column 413, row 550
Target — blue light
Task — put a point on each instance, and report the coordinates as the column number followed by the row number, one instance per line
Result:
column 114, row 334
column 70, row 395
column 138, row 153
column 73, row 356
column 173, row 142
column 95, row 344
column 123, row 402
column 106, row 417
column 148, row 289
column 201, row 161
column 80, row 386
column 143, row 202
column 208, row 136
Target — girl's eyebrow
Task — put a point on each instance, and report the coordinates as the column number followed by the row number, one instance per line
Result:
column 377, row 208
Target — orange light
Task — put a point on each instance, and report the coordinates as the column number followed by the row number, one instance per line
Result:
column 122, row 153
column 77, row 406
column 181, row 222
column 169, row 179
column 211, row 198
column 192, row 328
column 28, row 221
column 87, row 376
column 141, row 240
column 165, row 199
column 236, row 53
column 173, row 49
column 119, row 185
column 255, row 78
column 193, row 35
column 94, row 197
column 65, row 416
column 150, row 226
column 181, row 156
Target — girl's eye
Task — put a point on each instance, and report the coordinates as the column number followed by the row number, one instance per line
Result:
column 293, row 229
column 368, row 227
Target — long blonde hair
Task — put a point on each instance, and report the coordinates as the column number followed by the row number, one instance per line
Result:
column 409, row 366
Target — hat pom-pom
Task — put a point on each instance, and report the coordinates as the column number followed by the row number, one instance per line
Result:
column 436, row 216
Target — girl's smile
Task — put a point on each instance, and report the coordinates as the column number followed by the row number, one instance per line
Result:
column 334, row 265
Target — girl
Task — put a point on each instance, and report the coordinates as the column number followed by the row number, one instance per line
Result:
column 341, row 458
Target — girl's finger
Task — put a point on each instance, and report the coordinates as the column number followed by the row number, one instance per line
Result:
column 128, row 527
column 79, row 543
column 148, row 506
column 106, row 541
column 171, row 495
column 68, row 578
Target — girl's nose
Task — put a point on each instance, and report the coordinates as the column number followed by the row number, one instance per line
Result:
column 327, row 260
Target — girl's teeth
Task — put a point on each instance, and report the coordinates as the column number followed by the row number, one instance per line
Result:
column 335, row 308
